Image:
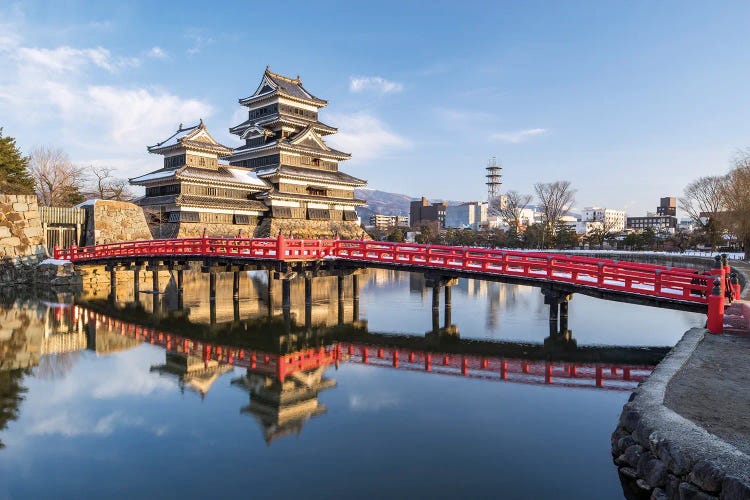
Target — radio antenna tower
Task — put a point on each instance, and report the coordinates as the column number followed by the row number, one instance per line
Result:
column 493, row 179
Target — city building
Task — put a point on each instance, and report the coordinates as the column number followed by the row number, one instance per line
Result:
column 423, row 211
column 663, row 221
column 193, row 192
column 470, row 215
column 612, row 220
column 657, row 223
column 284, row 146
column 385, row 222
column 667, row 206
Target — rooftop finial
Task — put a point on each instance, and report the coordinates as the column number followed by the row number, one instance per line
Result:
column 200, row 124
column 179, row 127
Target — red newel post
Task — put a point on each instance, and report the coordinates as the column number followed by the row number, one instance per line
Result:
column 715, row 322
column 280, row 246
column 56, row 252
column 735, row 283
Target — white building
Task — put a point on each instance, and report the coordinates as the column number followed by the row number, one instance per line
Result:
column 387, row 221
column 613, row 220
column 470, row 215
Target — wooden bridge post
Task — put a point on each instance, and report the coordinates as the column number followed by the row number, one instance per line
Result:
column 269, row 294
column 286, row 302
column 564, row 315
column 447, row 320
column 355, row 297
column 436, row 306
column 137, row 282
column 180, row 281
column 236, row 285
column 112, row 284
column 341, row 299
column 212, row 285
column 154, row 266
column 308, row 302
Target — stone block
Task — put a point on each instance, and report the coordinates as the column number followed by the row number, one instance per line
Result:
column 20, row 207
column 733, row 488
column 690, row 492
column 633, row 454
column 707, row 476
column 4, row 232
column 34, row 232
column 14, row 217
column 11, row 241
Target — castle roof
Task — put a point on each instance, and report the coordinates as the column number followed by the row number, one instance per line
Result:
column 274, row 83
column 194, row 137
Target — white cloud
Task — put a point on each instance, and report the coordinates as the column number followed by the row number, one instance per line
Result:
column 364, row 136
column 518, row 136
column 373, row 83
column 372, row 402
column 58, row 92
column 157, row 53
column 199, row 40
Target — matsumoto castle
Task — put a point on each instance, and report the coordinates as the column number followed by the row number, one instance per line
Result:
column 284, row 179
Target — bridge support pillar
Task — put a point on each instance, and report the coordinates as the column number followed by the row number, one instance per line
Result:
column 137, row 283
column 286, row 294
column 286, row 302
column 112, row 284
column 154, row 267
column 435, row 307
column 355, row 297
column 212, row 285
column 236, row 285
column 447, row 316
column 341, row 299
column 212, row 312
column 236, row 309
column 308, row 302
column 269, row 294
column 180, row 290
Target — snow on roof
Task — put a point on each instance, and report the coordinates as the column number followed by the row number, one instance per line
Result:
column 246, row 177
column 159, row 174
column 86, row 203
column 175, row 139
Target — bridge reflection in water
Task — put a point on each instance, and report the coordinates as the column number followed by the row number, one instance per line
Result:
column 285, row 360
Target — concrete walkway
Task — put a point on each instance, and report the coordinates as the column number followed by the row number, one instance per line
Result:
column 712, row 389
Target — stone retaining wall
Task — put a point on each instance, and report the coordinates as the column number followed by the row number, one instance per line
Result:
column 667, row 454
column 21, row 238
column 313, row 229
column 110, row 221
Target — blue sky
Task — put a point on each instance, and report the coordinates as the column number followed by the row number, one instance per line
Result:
column 627, row 100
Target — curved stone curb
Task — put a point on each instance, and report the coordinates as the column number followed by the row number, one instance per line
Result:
column 667, row 453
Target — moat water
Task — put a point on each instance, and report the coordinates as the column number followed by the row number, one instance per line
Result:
column 113, row 398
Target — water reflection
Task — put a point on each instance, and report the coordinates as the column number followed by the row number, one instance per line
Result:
column 314, row 359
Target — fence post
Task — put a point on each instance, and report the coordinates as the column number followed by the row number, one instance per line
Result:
column 56, row 252
column 280, row 246
column 735, row 283
column 715, row 322
column 718, row 272
column 657, row 282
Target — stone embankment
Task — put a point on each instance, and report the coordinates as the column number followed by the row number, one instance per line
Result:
column 21, row 238
column 685, row 433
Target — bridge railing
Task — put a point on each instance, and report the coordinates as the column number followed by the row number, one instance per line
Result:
column 645, row 279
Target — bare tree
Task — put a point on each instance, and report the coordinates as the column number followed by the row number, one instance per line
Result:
column 703, row 201
column 736, row 196
column 58, row 180
column 555, row 200
column 512, row 208
column 106, row 186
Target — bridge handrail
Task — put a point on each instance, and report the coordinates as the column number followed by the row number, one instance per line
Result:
column 644, row 279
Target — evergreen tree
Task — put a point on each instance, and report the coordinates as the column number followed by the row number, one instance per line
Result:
column 14, row 174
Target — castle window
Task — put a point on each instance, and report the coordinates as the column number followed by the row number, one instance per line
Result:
column 316, row 191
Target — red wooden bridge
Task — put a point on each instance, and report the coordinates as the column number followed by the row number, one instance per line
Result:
column 616, row 377
column 648, row 284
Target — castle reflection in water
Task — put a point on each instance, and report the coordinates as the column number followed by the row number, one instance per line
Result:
column 279, row 348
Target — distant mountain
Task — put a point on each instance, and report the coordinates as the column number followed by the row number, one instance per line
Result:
column 383, row 202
